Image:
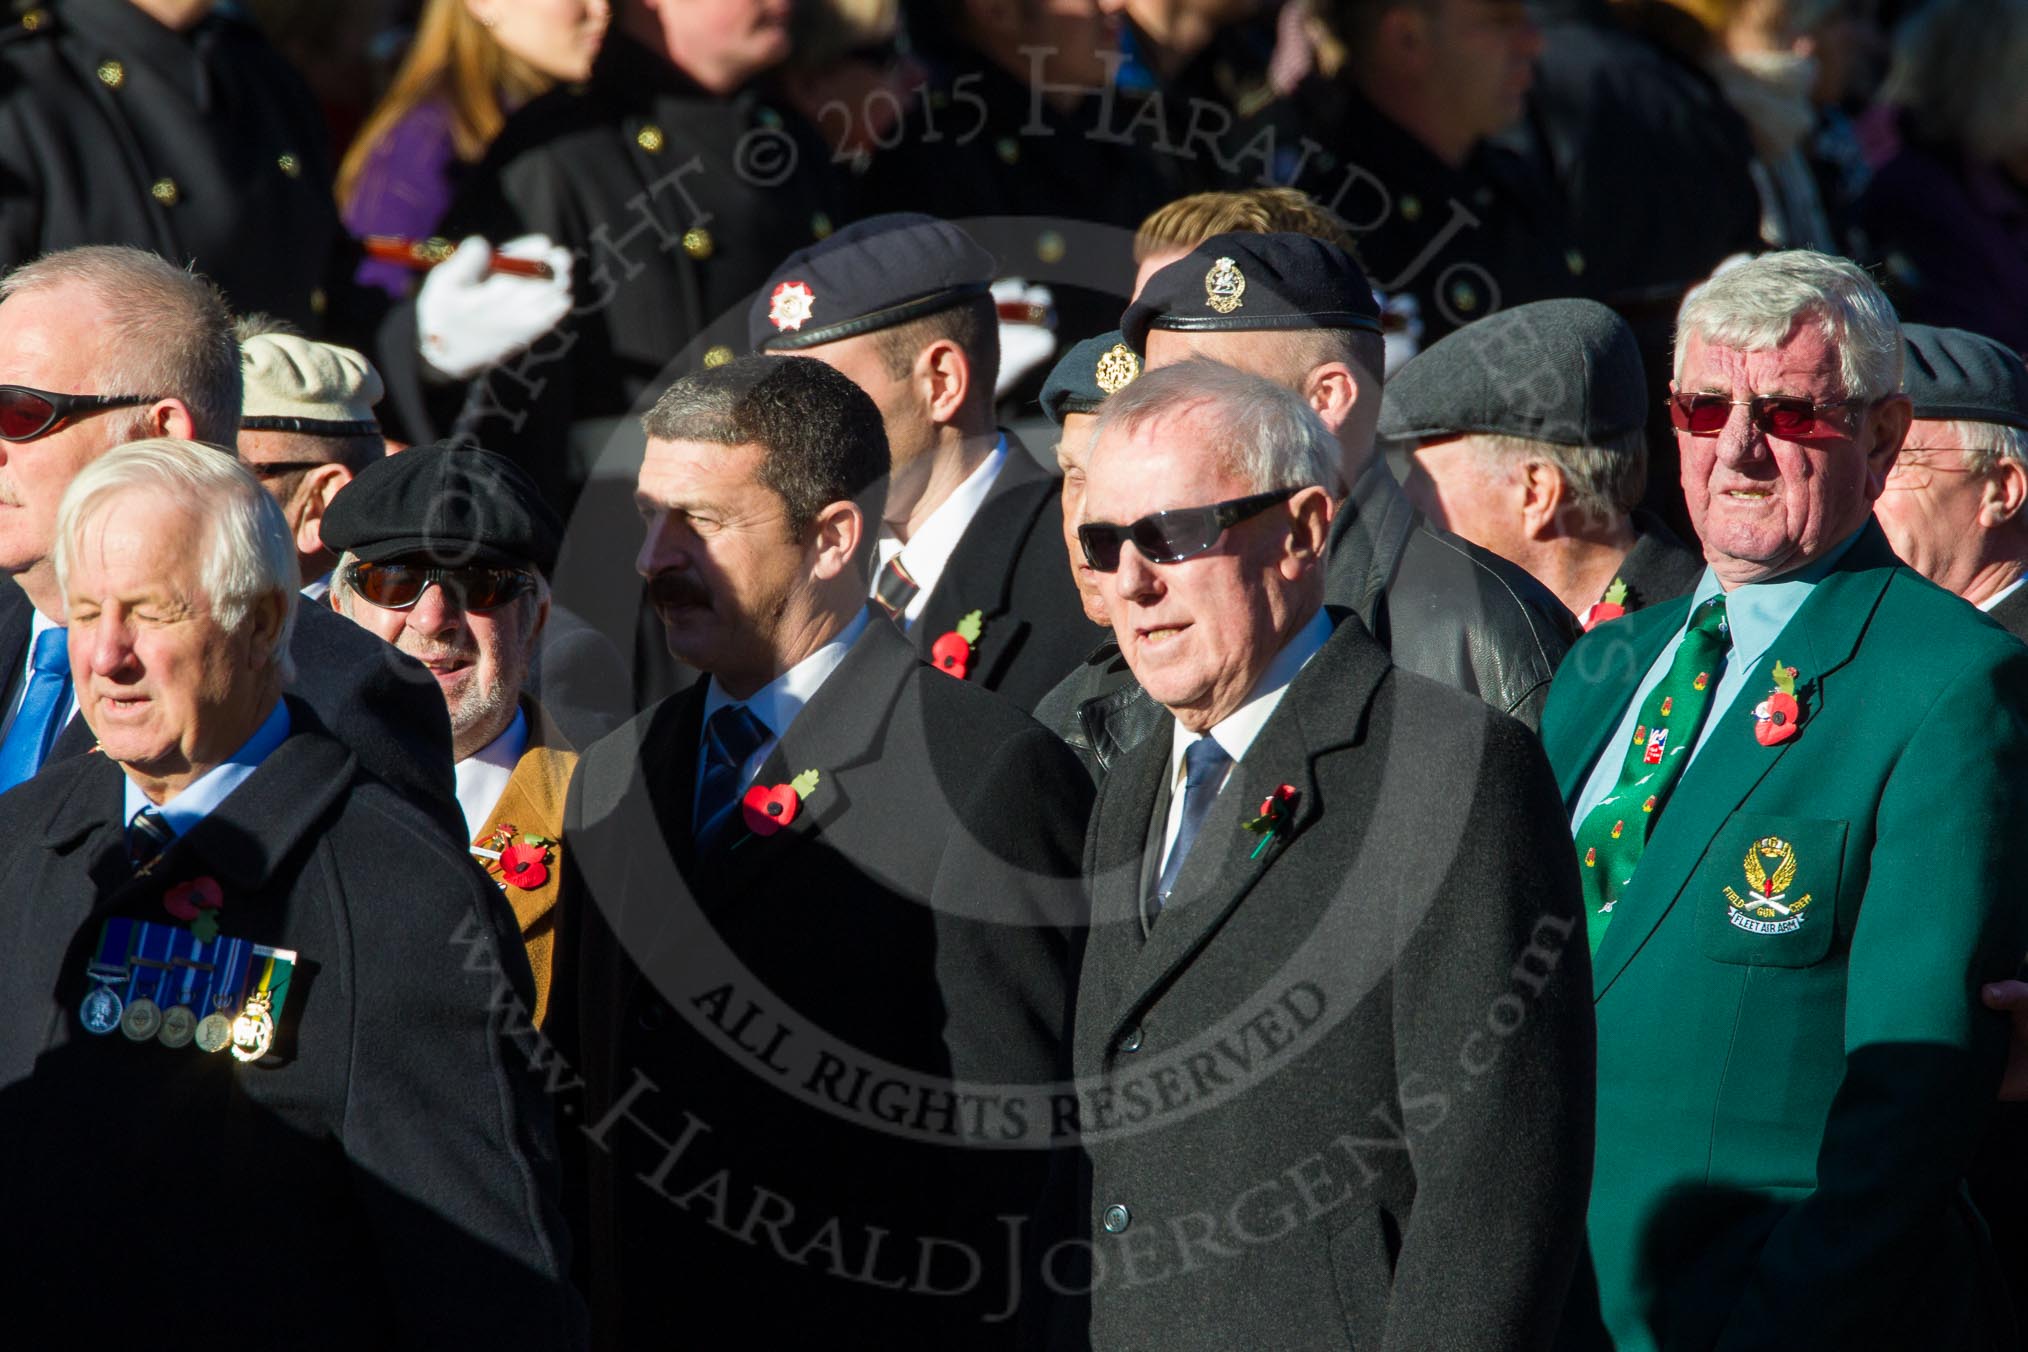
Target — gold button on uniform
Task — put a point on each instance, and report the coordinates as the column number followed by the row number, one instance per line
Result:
column 649, row 138
column 34, row 19
column 1575, row 262
column 164, row 190
column 718, row 355
column 1050, row 246
column 820, row 225
column 698, row 243
column 317, row 300
column 289, row 164
column 1465, row 297
column 1008, row 149
column 1411, row 208
column 112, row 74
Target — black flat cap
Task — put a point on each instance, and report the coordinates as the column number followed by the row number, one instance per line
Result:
column 872, row 275
column 1561, row 371
column 447, row 503
column 1087, row 374
column 1241, row 282
column 1952, row 374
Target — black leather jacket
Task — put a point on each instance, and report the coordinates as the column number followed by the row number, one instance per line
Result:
column 1443, row 607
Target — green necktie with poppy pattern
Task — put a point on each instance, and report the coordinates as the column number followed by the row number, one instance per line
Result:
column 1613, row 835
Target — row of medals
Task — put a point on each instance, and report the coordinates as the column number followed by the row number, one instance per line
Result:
column 250, row 1034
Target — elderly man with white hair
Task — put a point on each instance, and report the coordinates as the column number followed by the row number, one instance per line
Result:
column 1332, row 1046
column 1799, row 797
column 249, row 959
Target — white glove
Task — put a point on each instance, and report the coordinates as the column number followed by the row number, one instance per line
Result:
column 467, row 319
column 1024, row 343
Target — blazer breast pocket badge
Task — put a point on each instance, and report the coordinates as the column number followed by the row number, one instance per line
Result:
column 1767, row 893
column 1768, row 905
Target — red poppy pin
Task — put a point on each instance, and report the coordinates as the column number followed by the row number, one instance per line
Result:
column 523, row 862
column 767, row 808
column 196, row 904
column 952, row 652
column 1778, row 717
column 1273, row 818
column 1611, row 607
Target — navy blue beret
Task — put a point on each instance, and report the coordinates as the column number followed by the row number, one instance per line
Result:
column 1246, row 282
column 1087, row 374
column 874, row 274
column 1952, row 374
column 1561, row 371
column 450, row 503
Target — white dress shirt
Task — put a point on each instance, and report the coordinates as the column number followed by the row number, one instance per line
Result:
column 1235, row 733
column 482, row 776
column 2003, row 593
column 777, row 703
column 197, row 799
column 37, row 626
column 930, row 548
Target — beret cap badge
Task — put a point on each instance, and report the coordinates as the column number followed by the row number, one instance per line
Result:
column 1224, row 285
column 1116, row 368
column 790, row 305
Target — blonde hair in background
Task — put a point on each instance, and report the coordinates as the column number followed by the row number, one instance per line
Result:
column 453, row 57
column 1961, row 70
column 1188, row 221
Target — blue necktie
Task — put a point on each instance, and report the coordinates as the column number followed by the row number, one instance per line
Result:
column 731, row 736
column 1204, row 767
column 42, row 706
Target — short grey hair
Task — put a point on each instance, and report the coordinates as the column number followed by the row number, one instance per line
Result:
column 1753, row 306
column 1267, row 434
column 1605, row 481
column 1957, row 70
column 169, row 333
column 249, row 552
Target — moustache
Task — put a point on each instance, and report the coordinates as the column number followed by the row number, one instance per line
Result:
column 672, row 590
column 8, row 497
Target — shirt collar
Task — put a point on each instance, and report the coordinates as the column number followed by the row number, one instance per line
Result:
column 1757, row 613
column 482, row 776
column 777, row 703
column 2003, row 593
column 930, row 548
column 208, row 790
column 1237, row 730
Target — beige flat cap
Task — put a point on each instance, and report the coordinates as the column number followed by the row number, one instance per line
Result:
column 296, row 385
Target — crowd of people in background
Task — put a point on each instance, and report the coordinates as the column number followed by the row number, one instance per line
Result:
column 1016, row 673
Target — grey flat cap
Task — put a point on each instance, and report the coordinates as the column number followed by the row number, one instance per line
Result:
column 1952, row 374
column 1561, row 371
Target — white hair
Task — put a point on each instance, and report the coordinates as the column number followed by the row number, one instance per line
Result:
column 249, row 550
column 1987, row 443
column 1754, row 306
column 1268, row 434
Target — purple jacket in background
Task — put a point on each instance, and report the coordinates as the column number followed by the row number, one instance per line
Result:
column 1954, row 238
column 405, row 189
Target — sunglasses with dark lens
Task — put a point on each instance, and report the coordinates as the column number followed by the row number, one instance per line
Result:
column 397, row 586
column 1778, row 415
column 26, row 414
column 1172, row 536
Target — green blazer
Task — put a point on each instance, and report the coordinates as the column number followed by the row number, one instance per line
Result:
column 1788, row 1093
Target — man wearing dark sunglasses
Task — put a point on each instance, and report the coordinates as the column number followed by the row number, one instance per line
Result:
column 1308, row 807
column 100, row 327
column 1772, row 783
column 446, row 555
column 1298, row 311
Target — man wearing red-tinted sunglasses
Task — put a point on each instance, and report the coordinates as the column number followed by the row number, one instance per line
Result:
column 1796, row 801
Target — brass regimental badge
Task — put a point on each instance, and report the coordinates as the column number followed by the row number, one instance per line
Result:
column 1223, row 286
column 1116, row 368
column 1766, row 909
